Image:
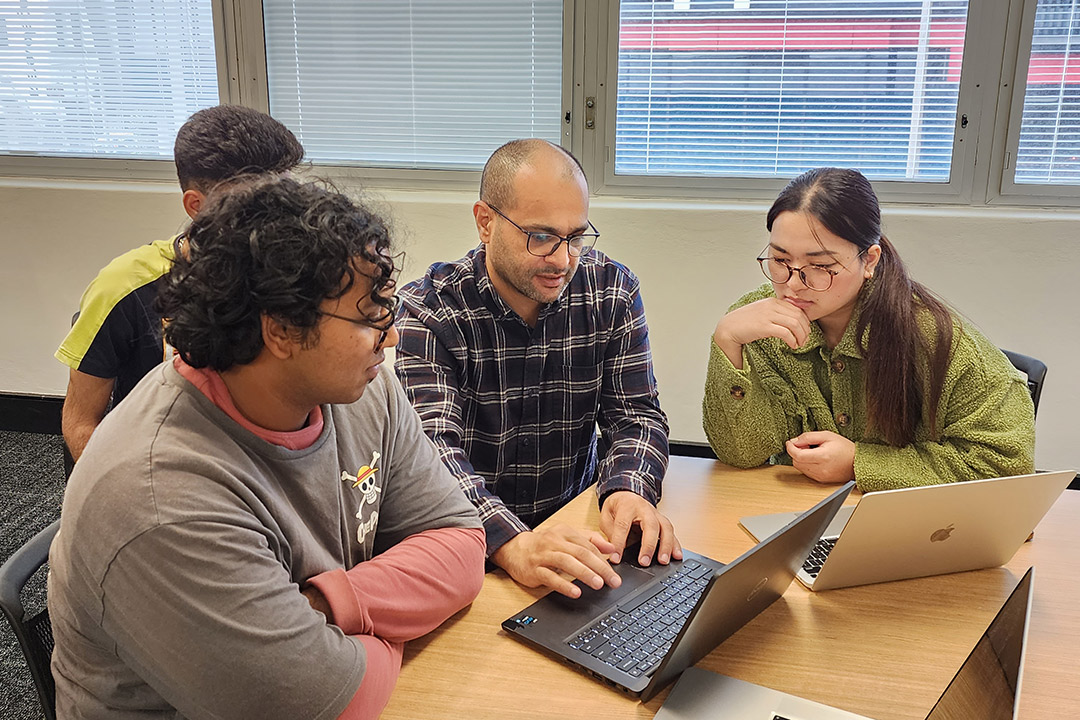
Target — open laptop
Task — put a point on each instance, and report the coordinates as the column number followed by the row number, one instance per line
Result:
column 664, row 618
column 920, row 531
column 986, row 687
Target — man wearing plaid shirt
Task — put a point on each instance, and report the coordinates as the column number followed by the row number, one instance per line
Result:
column 514, row 354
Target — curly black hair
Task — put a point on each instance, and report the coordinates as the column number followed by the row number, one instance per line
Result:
column 275, row 246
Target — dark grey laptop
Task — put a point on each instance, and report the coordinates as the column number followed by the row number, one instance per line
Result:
column 664, row 618
column 986, row 687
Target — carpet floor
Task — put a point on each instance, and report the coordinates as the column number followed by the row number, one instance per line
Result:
column 31, row 489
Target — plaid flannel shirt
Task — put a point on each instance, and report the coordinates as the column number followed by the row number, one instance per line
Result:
column 513, row 409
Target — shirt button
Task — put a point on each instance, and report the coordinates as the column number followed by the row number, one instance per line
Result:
column 843, row 419
column 737, row 392
column 838, row 366
column 526, row 441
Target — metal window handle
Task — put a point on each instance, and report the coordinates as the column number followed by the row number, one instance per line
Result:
column 590, row 113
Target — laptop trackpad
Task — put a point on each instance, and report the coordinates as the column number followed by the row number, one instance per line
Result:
column 633, row 578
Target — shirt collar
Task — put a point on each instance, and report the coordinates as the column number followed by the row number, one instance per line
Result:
column 491, row 296
column 495, row 302
column 847, row 345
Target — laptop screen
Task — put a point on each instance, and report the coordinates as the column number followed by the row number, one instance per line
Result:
column 988, row 683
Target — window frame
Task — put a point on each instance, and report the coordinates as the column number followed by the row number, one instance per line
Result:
column 55, row 167
column 1005, row 190
column 996, row 57
column 978, row 72
column 407, row 178
column 240, row 49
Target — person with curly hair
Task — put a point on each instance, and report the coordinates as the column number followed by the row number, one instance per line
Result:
column 116, row 337
column 262, row 524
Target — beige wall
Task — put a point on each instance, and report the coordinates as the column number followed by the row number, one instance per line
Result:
column 1013, row 272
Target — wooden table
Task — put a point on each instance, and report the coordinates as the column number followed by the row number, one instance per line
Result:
column 885, row 651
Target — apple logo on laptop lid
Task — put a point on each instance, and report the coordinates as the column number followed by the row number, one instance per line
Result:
column 941, row 535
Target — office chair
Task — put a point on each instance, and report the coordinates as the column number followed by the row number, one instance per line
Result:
column 1035, row 371
column 34, row 633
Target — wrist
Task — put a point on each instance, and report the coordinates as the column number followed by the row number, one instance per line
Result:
column 503, row 555
column 608, row 494
column 318, row 602
column 719, row 336
column 731, row 347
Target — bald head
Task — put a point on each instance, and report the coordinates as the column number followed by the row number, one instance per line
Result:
column 497, row 180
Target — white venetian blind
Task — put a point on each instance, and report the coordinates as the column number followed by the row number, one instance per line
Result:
column 1049, row 148
column 770, row 88
column 414, row 83
column 103, row 78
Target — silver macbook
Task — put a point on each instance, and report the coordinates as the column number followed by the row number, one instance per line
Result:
column 664, row 618
column 920, row 531
column 986, row 687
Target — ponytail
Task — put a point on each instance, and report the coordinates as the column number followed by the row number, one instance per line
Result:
column 890, row 340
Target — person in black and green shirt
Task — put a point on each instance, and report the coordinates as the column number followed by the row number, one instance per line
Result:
column 117, row 335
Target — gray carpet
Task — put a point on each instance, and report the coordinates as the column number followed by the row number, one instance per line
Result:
column 31, row 489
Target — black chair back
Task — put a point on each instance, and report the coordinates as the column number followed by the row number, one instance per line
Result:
column 34, row 633
column 1035, row 371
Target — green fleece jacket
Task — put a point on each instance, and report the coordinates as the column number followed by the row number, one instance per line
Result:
column 985, row 423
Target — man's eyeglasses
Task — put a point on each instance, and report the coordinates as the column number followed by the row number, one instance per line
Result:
column 543, row 244
column 815, row 277
column 382, row 324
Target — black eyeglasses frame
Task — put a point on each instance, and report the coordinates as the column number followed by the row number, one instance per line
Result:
column 531, row 234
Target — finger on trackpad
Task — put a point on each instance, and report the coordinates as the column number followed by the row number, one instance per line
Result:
column 632, row 580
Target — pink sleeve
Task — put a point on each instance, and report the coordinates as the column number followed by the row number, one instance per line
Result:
column 410, row 589
column 383, row 664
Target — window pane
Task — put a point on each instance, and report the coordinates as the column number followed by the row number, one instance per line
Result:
column 417, row 84
column 770, row 88
column 1049, row 149
column 100, row 78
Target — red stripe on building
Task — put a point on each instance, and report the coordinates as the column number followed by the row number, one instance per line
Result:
column 1053, row 68
column 758, row 35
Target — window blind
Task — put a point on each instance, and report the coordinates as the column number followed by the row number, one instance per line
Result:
column 1049, row 146
column 414, row 83
column 769, row 88
column 103, row 78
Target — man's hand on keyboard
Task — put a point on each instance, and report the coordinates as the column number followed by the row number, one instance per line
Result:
column 538, row 558
column 622, row 511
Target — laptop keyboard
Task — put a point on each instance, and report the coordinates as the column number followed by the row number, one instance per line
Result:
column 817, row 556
column 635, row 637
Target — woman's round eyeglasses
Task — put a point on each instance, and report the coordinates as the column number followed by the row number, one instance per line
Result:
column 815, row 277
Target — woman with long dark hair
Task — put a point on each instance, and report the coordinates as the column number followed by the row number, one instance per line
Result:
column 846, row 368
